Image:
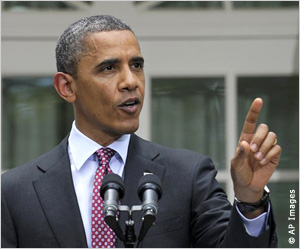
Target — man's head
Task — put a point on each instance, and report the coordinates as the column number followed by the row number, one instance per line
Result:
column 71, row 45
column 106, row 86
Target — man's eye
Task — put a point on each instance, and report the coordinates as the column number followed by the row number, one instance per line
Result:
column 106, row 68
column 109, row 68
column 138, row 65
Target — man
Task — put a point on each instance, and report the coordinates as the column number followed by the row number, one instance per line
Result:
column 50, row 203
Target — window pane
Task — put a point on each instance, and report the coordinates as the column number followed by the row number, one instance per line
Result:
column 265, row 4
column 189, row 5
column 189, row 113
column 139, row 2
column 34, row 119
column 280, row 111
column 36, row 5
column 281, row 198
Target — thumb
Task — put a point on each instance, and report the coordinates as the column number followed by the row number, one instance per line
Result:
column 242, row 151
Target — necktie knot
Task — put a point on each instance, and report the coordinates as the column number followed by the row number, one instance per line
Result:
column 104, row 155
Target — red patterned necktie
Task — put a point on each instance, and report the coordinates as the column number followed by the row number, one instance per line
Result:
column 102, row 235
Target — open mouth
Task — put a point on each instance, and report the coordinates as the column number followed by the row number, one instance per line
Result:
column 130, row 102
column 130, row 105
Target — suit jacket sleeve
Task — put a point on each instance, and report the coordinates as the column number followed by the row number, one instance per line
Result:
column 215, row 223
column 267, row 238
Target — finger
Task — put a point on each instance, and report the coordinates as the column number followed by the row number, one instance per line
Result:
column 266, row 145
column 241, row 153
column 251, row 120
column 259, row 137
column 273, row 156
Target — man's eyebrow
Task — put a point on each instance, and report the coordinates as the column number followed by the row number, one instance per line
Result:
column 107, row 62
column 137, row 59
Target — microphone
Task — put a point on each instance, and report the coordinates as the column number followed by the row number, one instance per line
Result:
column 149, row 192
column 112, row 191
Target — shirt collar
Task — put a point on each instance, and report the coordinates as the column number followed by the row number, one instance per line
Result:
column 82, row 148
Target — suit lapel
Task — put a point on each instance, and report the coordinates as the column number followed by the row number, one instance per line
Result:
column 139, row 160
column 57, row 196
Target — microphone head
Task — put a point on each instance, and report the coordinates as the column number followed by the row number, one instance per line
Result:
column 149, row 181
column 112, row 181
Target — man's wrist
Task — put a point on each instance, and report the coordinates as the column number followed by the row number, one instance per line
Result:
column 256, row 208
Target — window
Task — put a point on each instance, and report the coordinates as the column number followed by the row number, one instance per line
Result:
column 189, row 113
column 180, row 5
column 189, row 5
column 265, row 4
column 217, row 5
column 280, row 111
column 32, row 113
column 42, row 5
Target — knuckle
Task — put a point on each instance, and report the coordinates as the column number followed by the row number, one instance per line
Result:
column 263, row 149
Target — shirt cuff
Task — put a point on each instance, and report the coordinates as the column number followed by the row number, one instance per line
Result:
column 256, row 226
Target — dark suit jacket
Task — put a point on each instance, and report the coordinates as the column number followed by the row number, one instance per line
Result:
column 40, row 209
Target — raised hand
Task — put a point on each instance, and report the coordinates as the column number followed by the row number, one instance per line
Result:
column 256, row 157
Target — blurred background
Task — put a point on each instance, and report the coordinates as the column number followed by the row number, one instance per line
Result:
column 205, row 61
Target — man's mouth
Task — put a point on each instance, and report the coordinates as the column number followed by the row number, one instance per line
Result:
column 130, row 105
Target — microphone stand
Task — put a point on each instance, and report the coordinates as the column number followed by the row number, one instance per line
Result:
column 129, row 238
column 149, row 191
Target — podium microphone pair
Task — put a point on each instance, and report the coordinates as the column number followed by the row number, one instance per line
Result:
column 112, row 191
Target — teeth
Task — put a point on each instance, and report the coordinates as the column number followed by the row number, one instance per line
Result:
column 130, row 103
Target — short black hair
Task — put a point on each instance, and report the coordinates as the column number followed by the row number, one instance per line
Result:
column 71, row 46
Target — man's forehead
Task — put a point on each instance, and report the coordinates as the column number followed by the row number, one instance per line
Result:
column 111, row 42
column 111, row 37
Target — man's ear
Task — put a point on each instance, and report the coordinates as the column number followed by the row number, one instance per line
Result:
column 65, row 87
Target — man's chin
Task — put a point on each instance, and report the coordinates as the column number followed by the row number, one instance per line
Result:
column 130, row 129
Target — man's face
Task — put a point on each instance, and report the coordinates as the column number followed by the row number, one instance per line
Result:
column 109, row 86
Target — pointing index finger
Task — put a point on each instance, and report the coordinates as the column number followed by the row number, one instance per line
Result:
column 251, row 120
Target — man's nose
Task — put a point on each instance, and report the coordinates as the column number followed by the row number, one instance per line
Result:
column 129, row 80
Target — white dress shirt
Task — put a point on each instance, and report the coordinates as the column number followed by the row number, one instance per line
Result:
column 256, row 226
column 83, row 167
